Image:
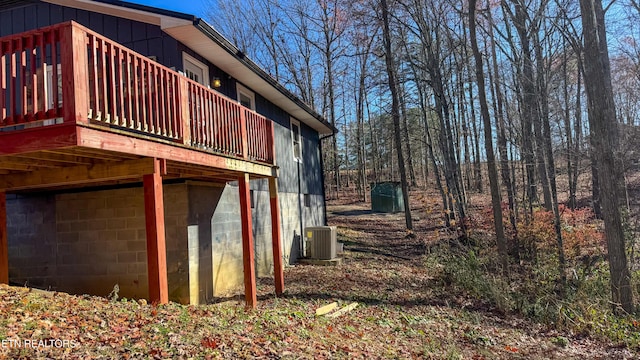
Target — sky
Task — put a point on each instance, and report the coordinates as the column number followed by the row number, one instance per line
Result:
column 193, row 7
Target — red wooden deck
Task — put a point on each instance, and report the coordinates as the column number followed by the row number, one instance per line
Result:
column 78, row 109
column 69, row 74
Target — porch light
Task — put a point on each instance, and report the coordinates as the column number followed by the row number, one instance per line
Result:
column 216, row 83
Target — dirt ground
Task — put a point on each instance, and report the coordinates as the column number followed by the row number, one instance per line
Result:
column 403, row 311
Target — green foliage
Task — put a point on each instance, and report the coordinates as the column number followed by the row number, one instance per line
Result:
column 560, row 341
column 533, row 291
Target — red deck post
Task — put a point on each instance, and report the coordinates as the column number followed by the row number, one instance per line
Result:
column 74, row 74
column 244, row 140
column 278, row 271
column 183, row 110
column 4, row 245
column 156, row 248
column 247, row 242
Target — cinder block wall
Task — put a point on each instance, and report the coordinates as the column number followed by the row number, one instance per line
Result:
column 86, row 242
column 33, row 249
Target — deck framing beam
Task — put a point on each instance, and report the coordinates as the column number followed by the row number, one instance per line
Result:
column 71, row 175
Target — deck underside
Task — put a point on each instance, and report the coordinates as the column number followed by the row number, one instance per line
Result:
column 70, row 156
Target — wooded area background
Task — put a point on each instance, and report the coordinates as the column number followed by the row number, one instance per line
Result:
column 523, row 99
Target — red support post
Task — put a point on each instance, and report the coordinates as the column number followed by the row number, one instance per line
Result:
column 247, row 242
column 156, row 247
column 75, row 81
column 278, row 269
column 4, row 245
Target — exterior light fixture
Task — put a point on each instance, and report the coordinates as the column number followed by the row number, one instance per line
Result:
column 216, row 83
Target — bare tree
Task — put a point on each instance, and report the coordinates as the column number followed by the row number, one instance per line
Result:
column 395, row 108
column 488, row 143
column 602, row 120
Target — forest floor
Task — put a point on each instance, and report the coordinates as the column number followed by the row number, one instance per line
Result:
column 404, row 311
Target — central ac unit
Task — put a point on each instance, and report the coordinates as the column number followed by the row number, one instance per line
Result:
column 322, row 242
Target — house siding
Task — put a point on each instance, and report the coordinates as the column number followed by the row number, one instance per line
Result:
column 87, row 241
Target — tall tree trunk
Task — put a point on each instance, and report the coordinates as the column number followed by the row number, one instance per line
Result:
column 407, row 140
column 502, row 139
column 527, row 88
column 567, row 126
column 461, row 65
column 395, row 110
column 549, row 161
column 573, row 186
column 488, row 142
column 477, row 169
column 360, row 156
column 602, row 119
column 375, row 154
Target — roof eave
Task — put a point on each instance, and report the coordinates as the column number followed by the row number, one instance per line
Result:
column 248, row 63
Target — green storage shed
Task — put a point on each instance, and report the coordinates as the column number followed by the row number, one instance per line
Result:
column 387, row 197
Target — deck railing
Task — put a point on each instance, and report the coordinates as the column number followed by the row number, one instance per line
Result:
column 68, row 73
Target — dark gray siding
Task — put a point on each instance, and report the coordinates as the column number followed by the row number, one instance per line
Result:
column 304, row 177
column 149, row 40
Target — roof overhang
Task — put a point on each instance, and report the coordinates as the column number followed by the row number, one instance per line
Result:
column 201, row 37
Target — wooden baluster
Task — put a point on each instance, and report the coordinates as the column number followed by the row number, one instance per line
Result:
column 217, row 125
column 120, row 84
column 137, row 98
column 202, row 121
column 128, row 88
column 104, row 81
column 112, row 63
column 54, row 71
column 93, row 76
column 195, row 115
column 23, row 81
column 229, row 129
column 174, row 99
column 34, row 76
column 209, row 119
column 162, row 104
column 12, row 84
column 42, row 99
column 236, row 133
column 152, row 105
column 3, row 83
column 154, row 87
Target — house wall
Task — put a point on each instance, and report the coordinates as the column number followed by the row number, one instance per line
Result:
column 51, row 246
column 86, row 242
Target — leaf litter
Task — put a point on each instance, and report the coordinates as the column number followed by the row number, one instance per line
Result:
column 401, row 313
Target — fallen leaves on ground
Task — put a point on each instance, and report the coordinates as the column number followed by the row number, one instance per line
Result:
column 403, row 313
